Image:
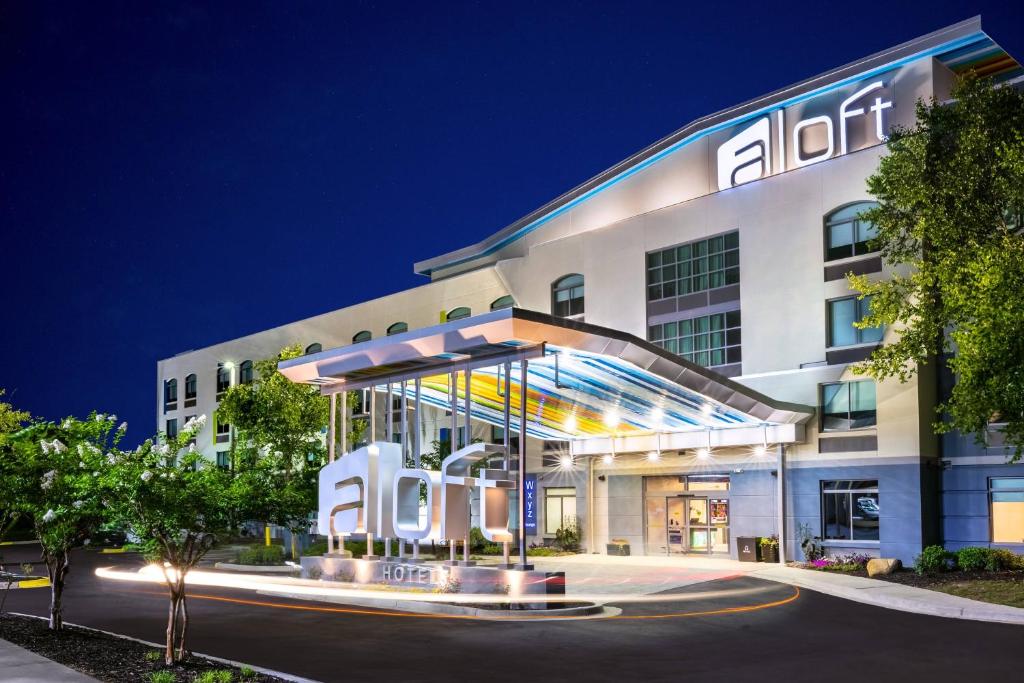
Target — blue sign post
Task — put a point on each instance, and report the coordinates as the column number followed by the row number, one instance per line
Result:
column 530, row 503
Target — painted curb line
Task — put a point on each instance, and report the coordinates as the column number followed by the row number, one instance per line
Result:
column 161, row 646
column 883, row 596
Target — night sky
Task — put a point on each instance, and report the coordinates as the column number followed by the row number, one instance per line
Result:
column 175, row 175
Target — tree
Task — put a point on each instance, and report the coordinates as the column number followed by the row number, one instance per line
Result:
column 167, row 494
column 950, row 198
column 55, row 475
column 11, row 421
column 280, row 446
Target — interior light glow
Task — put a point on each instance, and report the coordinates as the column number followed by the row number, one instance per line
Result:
column 611, row 418
column 703, row 453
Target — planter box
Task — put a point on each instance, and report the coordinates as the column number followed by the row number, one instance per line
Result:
column 620, row 549
column 769, row 553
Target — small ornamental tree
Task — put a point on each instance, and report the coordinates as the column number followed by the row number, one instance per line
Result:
column 11, row 421
column 57, row 474
column 170, row 496
column 280, row 446
column 950, row 206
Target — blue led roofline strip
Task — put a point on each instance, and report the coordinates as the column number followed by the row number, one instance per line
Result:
column 693, row 137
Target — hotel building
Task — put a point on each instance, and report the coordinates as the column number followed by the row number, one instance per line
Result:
column 695, row 296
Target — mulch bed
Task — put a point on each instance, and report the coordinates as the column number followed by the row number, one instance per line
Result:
column 909, row 577
column 105, row 657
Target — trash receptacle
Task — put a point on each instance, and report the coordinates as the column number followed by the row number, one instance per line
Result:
column 746, row 548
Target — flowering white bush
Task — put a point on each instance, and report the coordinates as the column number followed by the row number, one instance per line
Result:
column 146, row 476
column 49, row 516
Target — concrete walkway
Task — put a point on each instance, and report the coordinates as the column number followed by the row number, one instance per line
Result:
column 18, row 665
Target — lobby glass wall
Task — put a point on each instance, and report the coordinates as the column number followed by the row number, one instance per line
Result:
column 686, row 514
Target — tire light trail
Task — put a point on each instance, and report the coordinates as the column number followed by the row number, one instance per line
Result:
column 305, row 587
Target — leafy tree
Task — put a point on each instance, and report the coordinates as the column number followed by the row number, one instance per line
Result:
column 951, row 196
column 167, row 494
column 11, row 421
column 55, row 474
column 280, row 445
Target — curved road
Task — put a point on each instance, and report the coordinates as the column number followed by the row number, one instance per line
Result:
column 758, row 630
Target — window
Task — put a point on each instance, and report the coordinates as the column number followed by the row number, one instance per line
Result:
column 170, row 394
column 842, row 314
column 171, row 430
column 445, row 436
column 222, row 432
column 223, row 460
column 849, row 510
column 358, row 337
column 498, row 437
column 1007, row 509
column 848, row 405
column 502, row 302
column 559, row 508
column 694, row 267
column 223, row 379
column 245, row 374
column 398, row 328
column 190, row 387
column 458, row 313
column 708, row 340
column 315, row 347
column 567, row 296
column 846, row 234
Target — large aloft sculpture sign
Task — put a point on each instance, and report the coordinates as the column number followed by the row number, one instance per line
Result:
column 369, row 491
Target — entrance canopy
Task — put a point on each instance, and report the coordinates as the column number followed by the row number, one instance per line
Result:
column 584, row 382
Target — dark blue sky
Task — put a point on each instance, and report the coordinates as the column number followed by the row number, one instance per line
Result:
column 180, row 174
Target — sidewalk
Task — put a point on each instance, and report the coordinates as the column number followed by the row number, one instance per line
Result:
column 891, row 595
column 18, row 665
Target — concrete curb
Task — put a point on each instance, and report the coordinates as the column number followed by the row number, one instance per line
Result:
column 257, row 568
column 893, row 595
column 219, row 660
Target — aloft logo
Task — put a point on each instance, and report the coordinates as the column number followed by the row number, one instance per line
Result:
column 748, row 155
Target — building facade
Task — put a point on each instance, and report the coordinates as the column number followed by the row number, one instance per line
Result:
column 726, row 243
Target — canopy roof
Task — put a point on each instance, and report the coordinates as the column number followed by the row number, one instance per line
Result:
column 583, row 381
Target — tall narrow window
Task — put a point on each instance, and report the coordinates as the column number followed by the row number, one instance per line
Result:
column 458, row 313
column 245, row 372
column 847, row 234
column 567, row 296
column 315, row 347
column 171, row 430
column 222, row 433
column 190, row 391
column 171, row 394
column 559, row 508
column 842, row 314
column 223, row 379
column 848, row 405
column 398, row 328
column 503, row 302
column 358, row 337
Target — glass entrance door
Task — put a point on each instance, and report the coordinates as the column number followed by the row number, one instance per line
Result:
column 697, row 524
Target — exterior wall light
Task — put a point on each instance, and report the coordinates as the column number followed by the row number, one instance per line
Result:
column 703, row 453
column 608, row 459
column 565, row 462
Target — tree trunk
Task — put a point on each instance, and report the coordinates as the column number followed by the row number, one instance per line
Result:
column 295, row 547
column 182, row 621
column 172, row 625
column 57, row 569
column 177, row 622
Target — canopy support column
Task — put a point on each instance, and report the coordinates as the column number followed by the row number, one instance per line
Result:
column 522, row 463
column 780, row 502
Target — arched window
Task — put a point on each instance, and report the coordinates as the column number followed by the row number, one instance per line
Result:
column 190, row 387
column 223, row 379
column 170, row 394
column 503, row 302
column 458, row 313
column 567, row 296
column 365, row 335
column 846, row 234
column 398, row 328
column 245, row 374
column 315, row 347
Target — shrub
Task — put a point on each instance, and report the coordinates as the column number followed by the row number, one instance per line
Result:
column 261, row 555
column 567, row 537
column 810, row 544
column 162, row 677
column 477, row 542
column 544, row 551
column 1000, row 559
column 315, row 549
column 972, row 559
column 933, row 559
column 246, row 673
column 215, row 676
column 154, row 656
